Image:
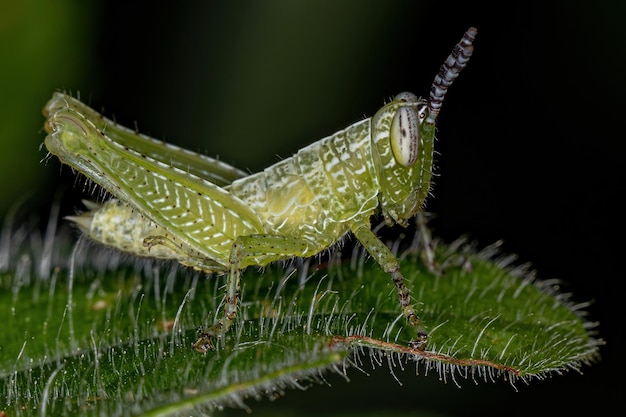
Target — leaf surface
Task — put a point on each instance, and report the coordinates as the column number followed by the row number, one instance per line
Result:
column 102, row 334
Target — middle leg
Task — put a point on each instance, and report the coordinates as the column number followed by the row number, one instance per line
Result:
column 248, row 251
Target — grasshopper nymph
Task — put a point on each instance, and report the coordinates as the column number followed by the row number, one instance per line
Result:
column 174, row 204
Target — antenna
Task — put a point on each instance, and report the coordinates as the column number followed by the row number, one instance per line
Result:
column 451, row 68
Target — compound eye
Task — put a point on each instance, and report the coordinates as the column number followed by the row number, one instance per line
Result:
column 404, row 136
column 406, row 97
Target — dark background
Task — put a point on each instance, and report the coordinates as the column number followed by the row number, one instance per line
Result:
column 529, row 149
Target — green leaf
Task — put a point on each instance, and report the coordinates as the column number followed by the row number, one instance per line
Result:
column 89, row 332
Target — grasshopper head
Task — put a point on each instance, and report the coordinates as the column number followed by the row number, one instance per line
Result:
column 403, row 133
column 403, row 149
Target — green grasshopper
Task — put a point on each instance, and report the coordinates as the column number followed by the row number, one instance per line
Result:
column 171, row 203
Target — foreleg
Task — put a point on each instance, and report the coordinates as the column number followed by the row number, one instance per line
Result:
column 246, row 251
column 391, row 265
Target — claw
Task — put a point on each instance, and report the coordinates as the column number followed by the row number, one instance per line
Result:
column 203, row 344
column 420, row 342
column 205, row 338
